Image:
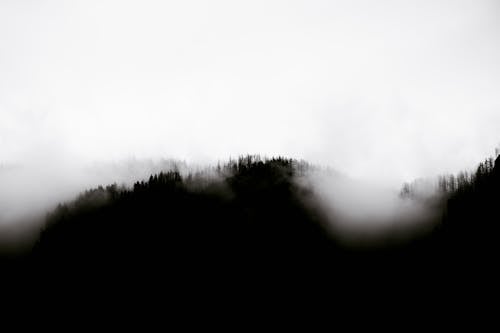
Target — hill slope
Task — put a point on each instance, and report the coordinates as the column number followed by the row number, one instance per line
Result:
column 250, row 221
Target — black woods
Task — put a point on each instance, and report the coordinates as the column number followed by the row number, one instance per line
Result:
column 248, row 212
column 251, row 218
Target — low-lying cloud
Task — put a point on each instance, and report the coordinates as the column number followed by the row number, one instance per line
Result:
column 358, row 211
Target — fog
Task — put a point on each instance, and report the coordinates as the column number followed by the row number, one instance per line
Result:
column 358, row 212
column 384, row 91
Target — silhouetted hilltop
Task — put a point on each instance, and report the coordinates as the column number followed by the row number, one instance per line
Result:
column 472, row 216
column 250, row 219
column 248, row 212
column 249, row 208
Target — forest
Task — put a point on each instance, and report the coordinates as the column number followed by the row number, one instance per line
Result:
column 250, row 219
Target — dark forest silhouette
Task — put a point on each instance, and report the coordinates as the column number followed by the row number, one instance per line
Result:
column 249, row 219
column 247, row 212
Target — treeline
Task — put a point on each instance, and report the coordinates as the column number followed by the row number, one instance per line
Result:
column 470, row 205
column 472, row 216
column 250, row 201
column 465, row 180
column 247, row 212
column 449, row 185
column 250, row 219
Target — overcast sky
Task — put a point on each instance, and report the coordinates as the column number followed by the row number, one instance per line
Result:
column 394, row 89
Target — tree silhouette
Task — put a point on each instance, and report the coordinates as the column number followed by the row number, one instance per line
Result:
column 249, row 218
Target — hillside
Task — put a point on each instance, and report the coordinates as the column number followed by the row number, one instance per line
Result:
column 251, row 220
column 252, row 210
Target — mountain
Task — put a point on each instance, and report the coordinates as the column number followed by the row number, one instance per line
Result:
column 252, row 222
column 248, row 212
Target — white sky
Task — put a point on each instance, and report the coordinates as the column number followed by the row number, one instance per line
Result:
column 388, row 89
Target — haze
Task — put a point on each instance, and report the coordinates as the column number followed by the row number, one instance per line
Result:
column 387, row 91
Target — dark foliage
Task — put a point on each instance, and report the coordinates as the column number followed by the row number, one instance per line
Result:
column 466, row 238
column 247, row 223
column 472, row 219
column 249, row 215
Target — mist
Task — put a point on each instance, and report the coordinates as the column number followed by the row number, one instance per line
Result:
column 362, row 213
column 384, row 92
column 354, row 208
